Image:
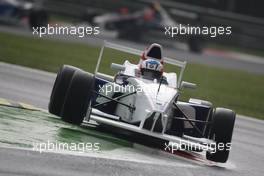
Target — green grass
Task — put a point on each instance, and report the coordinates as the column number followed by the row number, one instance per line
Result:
column 238, row 90
column 24, row 128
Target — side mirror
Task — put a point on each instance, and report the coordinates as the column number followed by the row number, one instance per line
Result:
column 118, row 67
column 188, row 85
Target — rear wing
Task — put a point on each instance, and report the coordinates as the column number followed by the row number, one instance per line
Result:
column 180, row 64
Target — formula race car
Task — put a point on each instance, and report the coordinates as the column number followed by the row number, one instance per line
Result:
column 15, row 11
column 143, row 100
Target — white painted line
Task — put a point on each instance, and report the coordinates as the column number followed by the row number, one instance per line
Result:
column 236, row 56
column 252, row 119
column 246, row 57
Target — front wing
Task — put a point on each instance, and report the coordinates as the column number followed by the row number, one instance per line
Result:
column 103, row 118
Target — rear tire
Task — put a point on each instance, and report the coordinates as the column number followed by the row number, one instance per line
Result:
column 60, row 88
column 38, row 18
column 221, row 132
column 78, row 97
column 195, row 44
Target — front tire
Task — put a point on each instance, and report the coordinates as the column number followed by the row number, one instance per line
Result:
column 222, row 131
column 78, row 97
column 60, row 88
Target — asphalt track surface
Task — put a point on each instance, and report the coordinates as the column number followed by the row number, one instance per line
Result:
column 243, row 62
column 33, row 87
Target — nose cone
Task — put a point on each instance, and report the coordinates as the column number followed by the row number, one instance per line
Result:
column 159, row 98
column 163, row 97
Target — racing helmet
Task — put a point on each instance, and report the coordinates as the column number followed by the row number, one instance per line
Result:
column 151, row 69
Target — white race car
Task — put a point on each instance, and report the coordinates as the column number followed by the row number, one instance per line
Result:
column 131, row 101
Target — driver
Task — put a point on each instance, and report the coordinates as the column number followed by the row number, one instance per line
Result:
column 151, row 63
column 151, row 69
